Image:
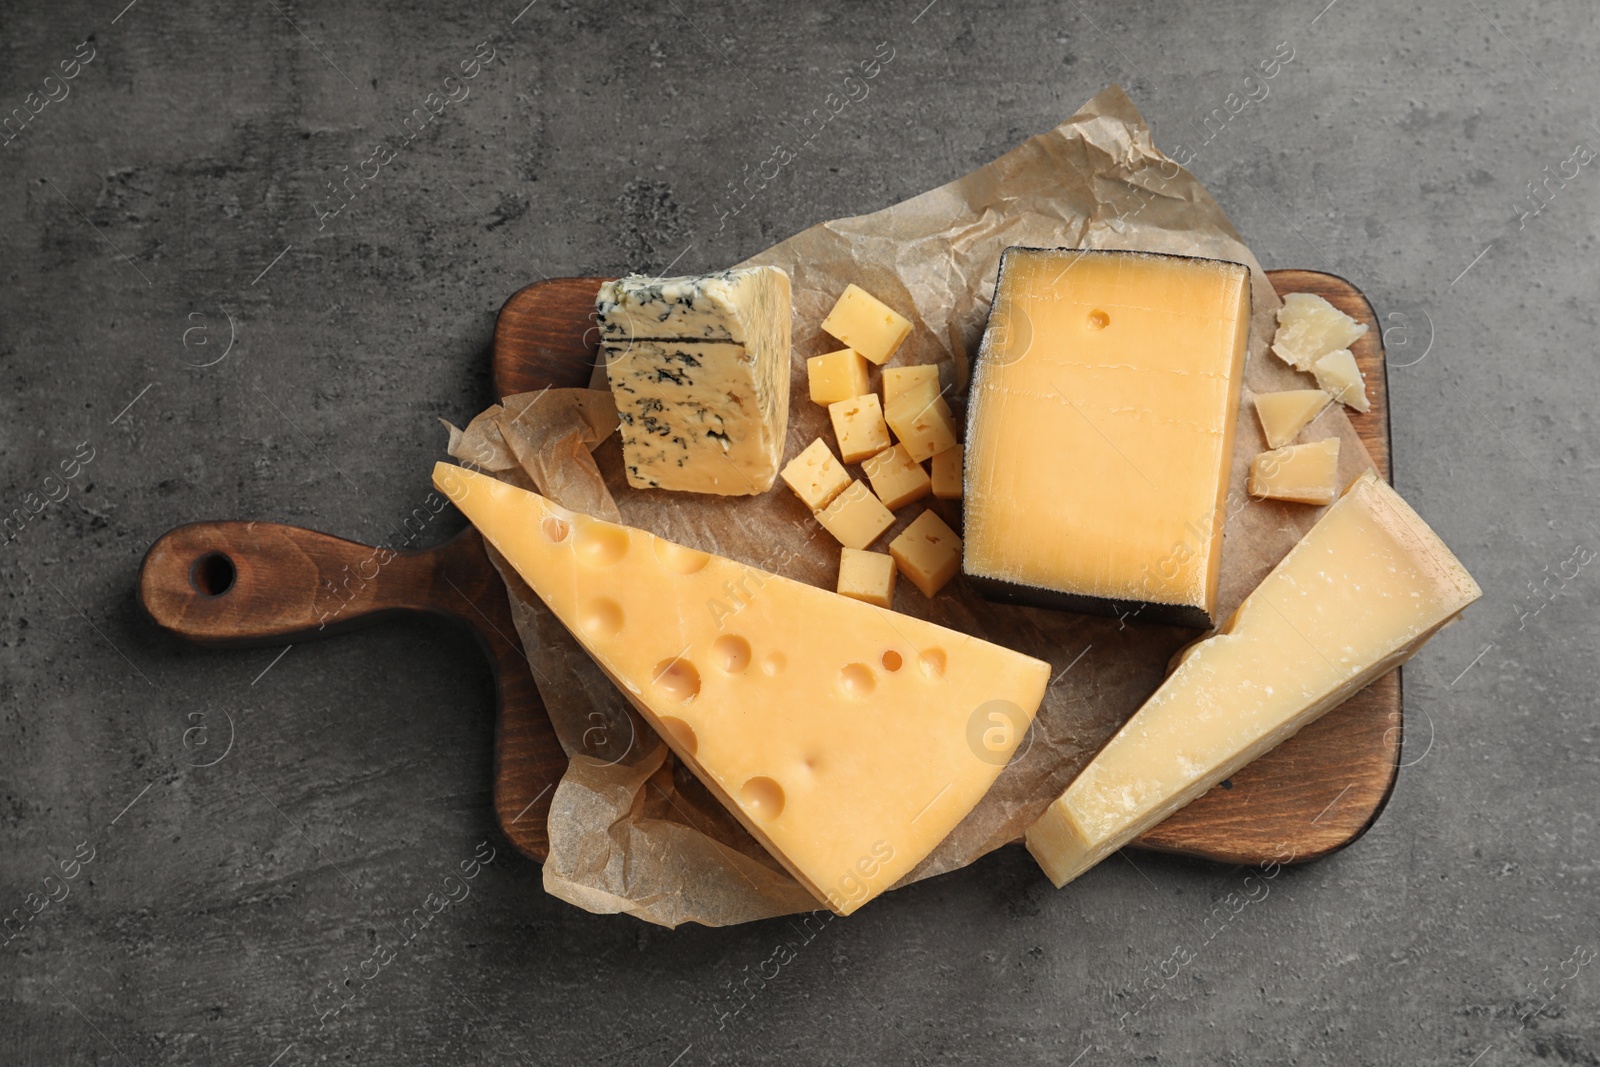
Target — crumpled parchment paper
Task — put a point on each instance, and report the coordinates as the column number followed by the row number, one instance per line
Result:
column 630, row 829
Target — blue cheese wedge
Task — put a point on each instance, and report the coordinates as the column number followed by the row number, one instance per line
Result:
column 745, row 305
column 699, row 368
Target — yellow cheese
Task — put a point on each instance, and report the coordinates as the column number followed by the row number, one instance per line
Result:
column 866, row 324
column 815, row 476
column 837, row 376
column 1283, row 415
column 918, row 384
column 1100, row 432
column 1338, row 375
column 866, row 576
column 1309, row 328
column 1306, row 474
column 859, row 427
column 928, row 552
column 837, row 732
column 924, row 427
column 1368, row 585
column 856, row 517
column 947, row 474
column 896, row 477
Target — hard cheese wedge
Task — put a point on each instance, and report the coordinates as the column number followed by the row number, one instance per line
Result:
column 699, row 368
column 1365, row 588
column 1100, row 432
column 837, row 732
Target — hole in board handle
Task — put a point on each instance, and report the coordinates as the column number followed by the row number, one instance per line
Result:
column 212, row 574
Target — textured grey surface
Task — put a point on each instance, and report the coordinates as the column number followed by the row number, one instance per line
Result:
column 142, row 212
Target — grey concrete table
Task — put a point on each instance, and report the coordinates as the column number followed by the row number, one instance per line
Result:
column 186, row 186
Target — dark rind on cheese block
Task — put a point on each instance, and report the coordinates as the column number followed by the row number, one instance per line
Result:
column 1005, row 592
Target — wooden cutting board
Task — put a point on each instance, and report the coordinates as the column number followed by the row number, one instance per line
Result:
column 254, row 583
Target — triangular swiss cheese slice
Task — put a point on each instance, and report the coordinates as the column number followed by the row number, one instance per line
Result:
column 1283, row 415
column 849, row 739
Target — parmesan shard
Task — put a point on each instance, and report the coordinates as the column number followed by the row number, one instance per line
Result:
column 699, row 368
column 840, row 734
column 1309, row 328
column 1283, row 415
column 1305, row 474
column 1339, row 377
column 1364, row 590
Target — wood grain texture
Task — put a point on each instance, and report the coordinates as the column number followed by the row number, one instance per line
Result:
column 248, row 584
column 1315, row 793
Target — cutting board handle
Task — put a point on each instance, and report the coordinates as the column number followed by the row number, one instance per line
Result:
column 262, row 583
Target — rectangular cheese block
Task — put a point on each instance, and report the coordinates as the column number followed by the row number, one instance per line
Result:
column 837, row 732
column 836, row 376
column 866, row 324
column 816, row 476
column 699, row 369
column 1100, row 432
column 1365, row 588
column 918, row 385
column 856, row 518
column 927, row 552
column 925, row 427
column 896, row 477
column 866, row 576
column 947, row 474
column 859, row 428
column 1305, row 474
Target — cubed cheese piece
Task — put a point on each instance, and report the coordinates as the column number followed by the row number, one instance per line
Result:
column 1100, row 432
column 837, row 376
column 1341, row 379
column 924, row 428
column 928, row 552
column 835, row 731
column 699, row 369
column 1283, row 415
column 1365, row 588
column 745, row 305
column 866, row 576
column 947, row 474
column 896, row 477
column 866, row 324
column 918, row 385
column 1306, row 474
column 859, row 427
column 1309, row 328
column 815, row 476
column 856, row 518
